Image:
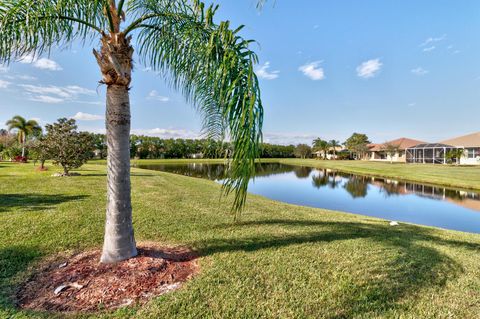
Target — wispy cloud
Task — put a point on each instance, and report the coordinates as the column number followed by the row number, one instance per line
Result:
column 3, row 68
column 80, row 116
column 313, row 70
column 154, row 95
column 431, row 40
column 55, row 94
column 419, row 71
column 369, row 69
column 166, row 133
column 263, row 73
column 46, row 99
column 412, row 104
column 4, row 84
column 41, row 63
column 429, row 49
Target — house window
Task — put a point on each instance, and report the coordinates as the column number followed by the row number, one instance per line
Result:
column 471, row 152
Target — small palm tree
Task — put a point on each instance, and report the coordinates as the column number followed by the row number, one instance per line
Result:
column 334, row 144
column 210, row 63
column 24, row 129
column 455, row 154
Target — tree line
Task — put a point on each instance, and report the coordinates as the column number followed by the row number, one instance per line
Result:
column 26, row 139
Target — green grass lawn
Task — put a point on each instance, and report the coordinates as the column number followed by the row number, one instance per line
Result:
column 444, row 175
column 281, row 261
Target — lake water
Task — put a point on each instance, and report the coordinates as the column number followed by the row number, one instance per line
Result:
column 379, row 197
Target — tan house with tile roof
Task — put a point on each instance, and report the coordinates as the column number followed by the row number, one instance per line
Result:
column 377, row 151
column 471, row 145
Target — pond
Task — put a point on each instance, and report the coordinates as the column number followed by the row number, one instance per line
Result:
column 372, row 196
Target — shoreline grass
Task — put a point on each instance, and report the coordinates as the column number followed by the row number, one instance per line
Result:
column 280, row 261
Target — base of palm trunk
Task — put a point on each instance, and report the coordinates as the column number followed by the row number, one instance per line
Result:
column 110, row 256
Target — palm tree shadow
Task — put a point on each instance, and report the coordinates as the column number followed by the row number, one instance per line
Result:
column 34, row 202
column 14, row 261
column 415, row 265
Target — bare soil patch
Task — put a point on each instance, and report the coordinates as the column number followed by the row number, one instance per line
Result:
column 81, row 284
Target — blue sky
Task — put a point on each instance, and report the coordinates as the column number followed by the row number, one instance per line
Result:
column 328, row 68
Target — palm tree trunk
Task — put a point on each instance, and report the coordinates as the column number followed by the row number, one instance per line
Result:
column 119, row 243
column 23, row 144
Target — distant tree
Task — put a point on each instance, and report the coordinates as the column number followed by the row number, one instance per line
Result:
column 390, row 149
column 38, row 151
column 24, row 128
column 320, row 145
column 455, row 155
column 66, row 146
column 100, row 142
column 357, row 144
column 302, row 151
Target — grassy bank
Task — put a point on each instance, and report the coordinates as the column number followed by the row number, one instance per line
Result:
column 443, row 175
column 281, row 261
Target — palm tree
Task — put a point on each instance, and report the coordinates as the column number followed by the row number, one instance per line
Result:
column 24, row 129
column 334, row 144
column 210, row 63
column 321, row 145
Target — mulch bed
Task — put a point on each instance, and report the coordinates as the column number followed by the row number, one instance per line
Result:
column 82, row 284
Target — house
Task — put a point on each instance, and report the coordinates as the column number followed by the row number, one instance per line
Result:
column 377, row 152
column 436, row 153
column 470, row 143
column 330, row 153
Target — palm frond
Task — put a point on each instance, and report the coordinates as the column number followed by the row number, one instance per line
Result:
column 36, row 26
column 212, row 65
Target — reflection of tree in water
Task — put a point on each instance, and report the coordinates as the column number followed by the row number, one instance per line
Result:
column 390, row 189
column 321, row 179
column 357, row 186
column 302, row 171
column 217, row 171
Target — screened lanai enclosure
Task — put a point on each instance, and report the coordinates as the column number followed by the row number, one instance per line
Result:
column 434, row 153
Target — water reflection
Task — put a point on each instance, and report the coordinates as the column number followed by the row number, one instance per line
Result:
column 373, row 196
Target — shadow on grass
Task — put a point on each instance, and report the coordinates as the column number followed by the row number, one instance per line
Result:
column 412, row 265
column 34, row 202
column 14, row 261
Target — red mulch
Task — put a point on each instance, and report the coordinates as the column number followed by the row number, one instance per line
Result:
column 90, row 286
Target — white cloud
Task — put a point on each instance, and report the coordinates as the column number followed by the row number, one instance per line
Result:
column 262, row 72
column 55, row 94
column 288, row 138
column 166, row 133
column 369, row 69
column 47, row 64
column 456, row 52
column 313, row 70
column 42, row 63
column 4, row 84
column 419, row 71
column 80, row 116
column 153, row 95
column 428, row 49
column 412, row 104
column 433, row 40
column 46, row 99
